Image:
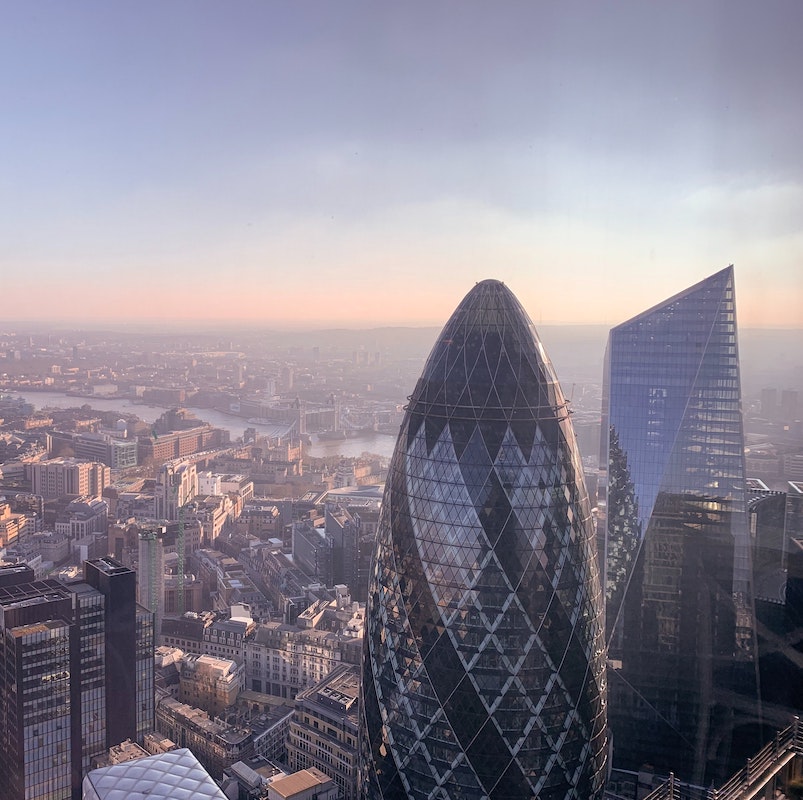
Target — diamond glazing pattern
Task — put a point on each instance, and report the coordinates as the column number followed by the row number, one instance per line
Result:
column 484, row 657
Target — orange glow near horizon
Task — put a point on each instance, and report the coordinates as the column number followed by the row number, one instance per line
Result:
column 358, row 306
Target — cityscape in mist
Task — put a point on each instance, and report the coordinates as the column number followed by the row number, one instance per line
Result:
column 401, row 401
column 258, row 454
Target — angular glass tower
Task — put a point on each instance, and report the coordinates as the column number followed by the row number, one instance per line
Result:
column 679, row 606
column 484, row 673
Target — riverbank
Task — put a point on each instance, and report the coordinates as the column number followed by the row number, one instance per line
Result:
column 379, row 443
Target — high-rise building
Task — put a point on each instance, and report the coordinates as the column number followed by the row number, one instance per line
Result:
column 483, row 669
column 328, row 553
column 12, row 525
column 151, row 571
column 313, row 550
column 343, row 528
column 673, row 520
column 75, row 661
column 176, row 485
column 60, row 477
column 130, row 640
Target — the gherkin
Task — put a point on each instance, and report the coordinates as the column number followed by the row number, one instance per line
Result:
column 484, row 662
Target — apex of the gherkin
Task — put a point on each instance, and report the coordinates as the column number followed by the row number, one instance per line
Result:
column 489, row 295
column 488, row 363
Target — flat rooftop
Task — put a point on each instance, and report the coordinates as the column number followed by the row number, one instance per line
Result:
column 299, row 782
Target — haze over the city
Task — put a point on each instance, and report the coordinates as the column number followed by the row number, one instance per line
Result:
column 357, row 164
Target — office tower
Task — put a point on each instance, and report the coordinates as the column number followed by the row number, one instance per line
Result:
column 483, row 668
column 176, row 486
column 794, row 510
column 679, row 602
column 312, row 551
column 105, row 449
column 151, row 571
column 71, row 663
column 12, row 526
column 60, row 477
column 343, row 529
column 41, row 641
column 129, row 651
column 329, row 554
column 323, row 730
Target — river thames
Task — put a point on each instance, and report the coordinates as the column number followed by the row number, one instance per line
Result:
column 378, row 443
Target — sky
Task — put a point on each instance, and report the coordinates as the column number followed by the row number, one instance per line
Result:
column 301, row 163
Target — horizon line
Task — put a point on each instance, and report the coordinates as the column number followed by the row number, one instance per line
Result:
column 200, row 326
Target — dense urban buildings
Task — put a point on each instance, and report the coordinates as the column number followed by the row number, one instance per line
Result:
column 673, row 521
column 218, row 743
column 484, row 661
column 287, row 537
column 77, row 677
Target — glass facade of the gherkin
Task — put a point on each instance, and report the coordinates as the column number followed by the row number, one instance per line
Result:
column 679, row 605
column 484, row 663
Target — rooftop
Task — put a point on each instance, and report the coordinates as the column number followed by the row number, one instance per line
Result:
column 176, row 775
column 39, row 627
column 299, row 782
column 109, row 566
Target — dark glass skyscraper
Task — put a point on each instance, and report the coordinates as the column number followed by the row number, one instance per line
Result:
column 75, row 659
column 679, row 603
column 484, row 649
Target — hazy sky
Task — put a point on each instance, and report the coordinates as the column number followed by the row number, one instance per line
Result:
column 365, row 163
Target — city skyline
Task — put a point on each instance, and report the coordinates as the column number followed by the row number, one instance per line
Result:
column 307, row 165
